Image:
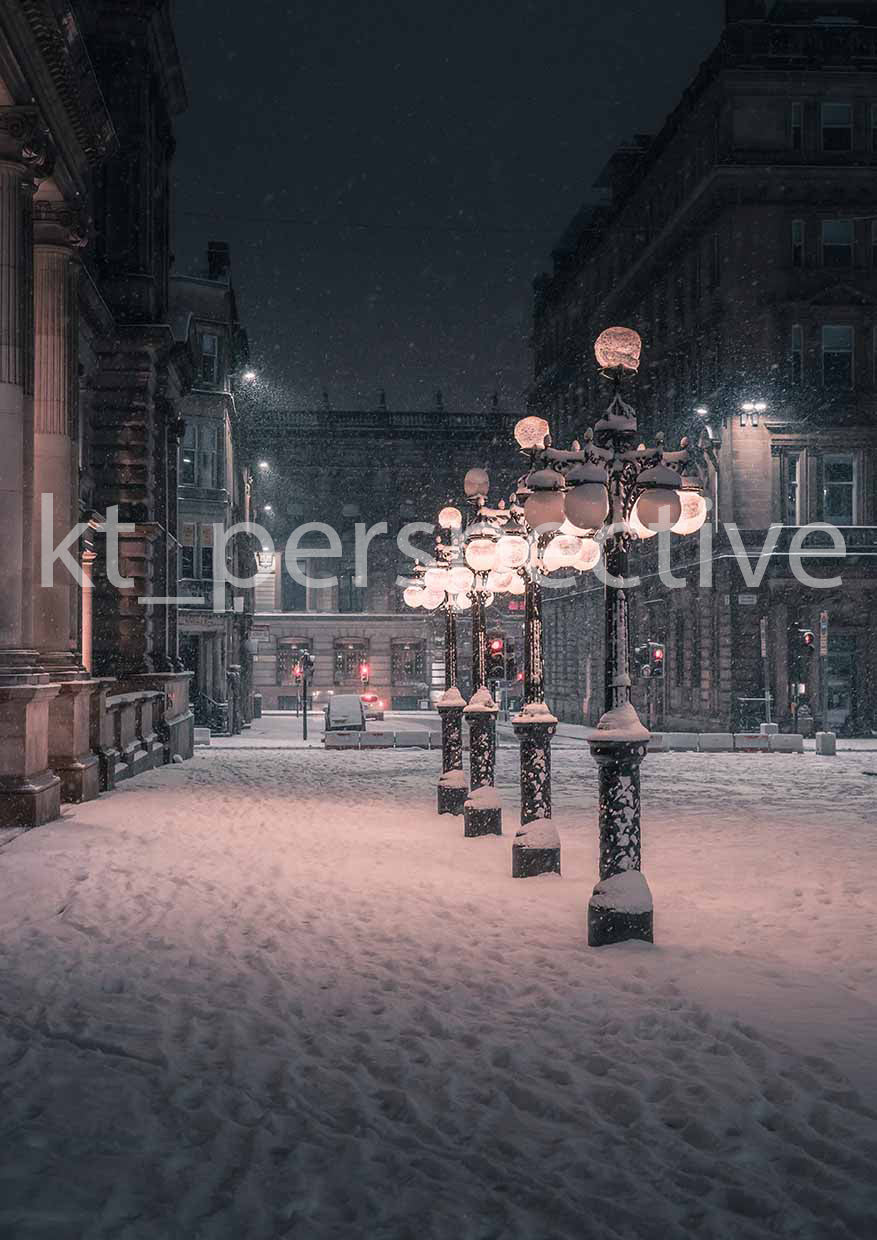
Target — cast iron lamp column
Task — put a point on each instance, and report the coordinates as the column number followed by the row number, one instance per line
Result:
column 628, row 491
column 452, row 788
column 482, row 813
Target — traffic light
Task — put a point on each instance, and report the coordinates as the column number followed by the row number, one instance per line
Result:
column 364, row 673
column 809, row 640
column 496, row 658
column 641, row 660
column 511, row 662
column 297, row 670
column 657, row 653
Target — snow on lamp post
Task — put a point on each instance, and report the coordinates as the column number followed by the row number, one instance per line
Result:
column 482, row 813
column 626, row 492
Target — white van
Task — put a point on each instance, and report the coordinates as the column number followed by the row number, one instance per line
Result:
column 345, row 713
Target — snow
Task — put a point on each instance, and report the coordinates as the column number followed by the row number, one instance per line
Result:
column 453, row 779
column 628, row 893
column 485, row 797
column 535, row 712
column 270, row 993
column 451, row 697
column 620, row 724
column 481, row 703
column 540, row 834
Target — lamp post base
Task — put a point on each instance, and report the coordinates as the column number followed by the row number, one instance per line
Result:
column 481, row 821
column 621, row 909
column 531, row 862
column 451, row 799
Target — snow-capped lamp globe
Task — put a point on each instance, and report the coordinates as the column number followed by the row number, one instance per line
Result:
column 586, row 502
column 499, row 580
column 531, row 433
column 694, row 509
column 437, row 578
column 513, row 549
column 619, row 349
column 461, row 579
column 481, row 553
column 659, row 507
column 562, row 552
column 413, row 596
column 432, row 599
column 450, row 518
column 543, row 507
column 476, row 484
column 589, row 556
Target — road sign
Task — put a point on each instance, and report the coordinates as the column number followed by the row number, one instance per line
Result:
column 823, row 634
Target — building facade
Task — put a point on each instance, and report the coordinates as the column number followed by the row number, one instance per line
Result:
column 214, row 496
column 91, row 380
column 741, row 242
column 335, row 480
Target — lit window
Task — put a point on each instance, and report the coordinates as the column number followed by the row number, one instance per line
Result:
column 837, row 243
column 839, row 489
column 207, row 551
column 797, row 352
column 187, row 551
column 837, row 127
column 797, row 243
column 797, row 126
column 187, row 456
column 793, row 488
column 209, row 358
column 837, row 356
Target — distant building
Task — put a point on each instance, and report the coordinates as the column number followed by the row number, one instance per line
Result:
column 214, row 495
column 344, row 468
column 741, row 241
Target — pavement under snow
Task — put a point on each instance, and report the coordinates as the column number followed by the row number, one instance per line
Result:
column 270, row 994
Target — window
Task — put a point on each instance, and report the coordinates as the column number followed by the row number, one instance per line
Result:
column 288, row 656
column 293, row 594
column 837, row 357
column 797, row 353
column 351, row 598
column 348, row 658
column 408, row 661
column 187, row 456
column 837, row 127
column 839, row 489
column 797, row 243
column 837, row 243
column 210, row 475
column 187, row 551
column 792, row 515
column 207, row 551
column 209, row 358
column 797, row 126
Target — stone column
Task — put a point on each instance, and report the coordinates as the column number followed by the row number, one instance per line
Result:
column 29, row 790
column 57, row 237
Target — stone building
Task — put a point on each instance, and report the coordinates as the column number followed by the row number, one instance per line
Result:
column 91, row 378
column 741, row 242
column 214, row 496
column 347, row 469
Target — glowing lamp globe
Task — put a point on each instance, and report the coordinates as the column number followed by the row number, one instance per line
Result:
column 569, row 528
column 481, row 554
column 461, row 579
column 518, row 585
column 586, row 504
column 561, row 552
column 512, row 550
column 436, row 579
column 499, row 580
column 589, row 556
column 640, row 531
column 432, row 599
column 694, row 513
column 618, row 348
column 476, row 482
column 413, row 596
column 450, row 519
column 659, row 507
column 461, row 603
column 531, row 433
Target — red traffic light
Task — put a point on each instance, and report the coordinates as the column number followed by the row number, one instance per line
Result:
column 809, row 638
column 496, row 645
column 658, row 654
column 363, row 671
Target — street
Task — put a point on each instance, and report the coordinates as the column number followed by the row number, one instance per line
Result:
column 271, row 994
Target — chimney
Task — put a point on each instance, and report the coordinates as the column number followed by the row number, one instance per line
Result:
column 218, row 260
column 745, row 11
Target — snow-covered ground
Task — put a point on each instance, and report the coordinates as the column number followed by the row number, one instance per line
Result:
column 270, row 994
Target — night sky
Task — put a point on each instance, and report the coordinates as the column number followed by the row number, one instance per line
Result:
column 392, row 175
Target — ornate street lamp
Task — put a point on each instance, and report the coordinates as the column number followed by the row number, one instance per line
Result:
column 446, row 578
column 622, row 491
column 482, row 812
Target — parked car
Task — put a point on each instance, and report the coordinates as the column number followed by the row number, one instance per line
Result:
column 345, row 713
column 374, row 707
